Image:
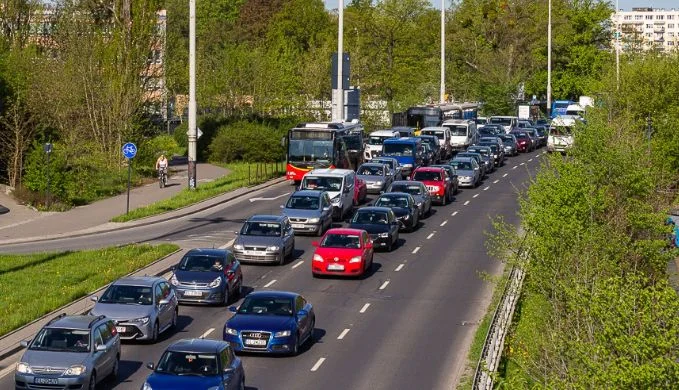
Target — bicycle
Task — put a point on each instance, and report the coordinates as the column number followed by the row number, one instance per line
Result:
column 162, row 177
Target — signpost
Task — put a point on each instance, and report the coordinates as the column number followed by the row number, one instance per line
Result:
column 129, row 151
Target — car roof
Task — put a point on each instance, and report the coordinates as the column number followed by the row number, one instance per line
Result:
column 138, row 281
column 274, row 293
column 383, row 132
column 407, row 182
column 344, row 231
column 435, row 128
column 427, row 169
column 310, row 193
column 198, row 346
column 371, row 164
column 403, row 140
column 373, row 208
column 208, row 251
column 267, row 218
column 74, row 322
column 330, row 172
column 464, row 159
column 404, row 194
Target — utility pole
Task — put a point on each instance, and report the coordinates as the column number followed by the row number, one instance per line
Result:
column 617, row 46
column 443, row 51
column 340, row 63
column 193, row 139
column 549, row 60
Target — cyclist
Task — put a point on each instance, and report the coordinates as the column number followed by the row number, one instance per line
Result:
column 162, row 163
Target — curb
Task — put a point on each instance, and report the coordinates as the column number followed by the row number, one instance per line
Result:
column 178, row 213
column 14, row 349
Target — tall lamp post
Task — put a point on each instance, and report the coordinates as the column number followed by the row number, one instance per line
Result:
column 443, row 51
column 193, row 139
column 549, row 60
column 617, row 47
column 340, row 64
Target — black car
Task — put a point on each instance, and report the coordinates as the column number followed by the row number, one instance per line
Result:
column 498, row 152
column 433, row 143
column 404, row 207
column 490, row 130
column 380, row 223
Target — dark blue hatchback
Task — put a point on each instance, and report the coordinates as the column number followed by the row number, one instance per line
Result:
column 197, row 364
column 271, row 322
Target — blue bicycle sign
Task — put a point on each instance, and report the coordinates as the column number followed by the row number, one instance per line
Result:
column 129, row 150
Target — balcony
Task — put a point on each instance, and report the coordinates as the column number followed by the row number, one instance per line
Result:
column 659, row 29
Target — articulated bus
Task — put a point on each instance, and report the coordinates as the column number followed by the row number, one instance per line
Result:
column 433, row 115
column 323, row 145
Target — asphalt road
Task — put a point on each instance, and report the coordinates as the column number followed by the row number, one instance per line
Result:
column 407, row 325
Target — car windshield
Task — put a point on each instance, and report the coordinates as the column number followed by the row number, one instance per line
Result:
column 411, row 189
column 463, row 165
column 439, row 134
column 376, row 140
column 427, row 176
column 501, row 121
column 303, row 203
column 371, row 170
column 201, row 263
column 270, row 229
column 392, row 201
column 560, row 131
column 129, row 295
column 478, row 150
column 398, row 149
column 275, row 306
column 188, row 363
column 370, row 217
column 351, row 241
column 62, row 340
column 508, row 142
column 321, row 183
column 457, row 130
column 493, row 146
column 521, row 135
column 389, row 163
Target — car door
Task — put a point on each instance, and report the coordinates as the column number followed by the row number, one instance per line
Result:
column 106, row 330
column 103, row 362
column 162, row 310
column 367, row 251
column 233, row 268
column 302, row 318
column 231, row 369
column 347, row 193
column 288, row 236
column 326, row 209
column 393, row 224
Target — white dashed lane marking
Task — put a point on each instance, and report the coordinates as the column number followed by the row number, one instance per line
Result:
column 318, row 364
column 270, row 283
column 416, row 250
column 496, row 181
column 430, row 236
column 505, row 175
column 384, row 285
column 475, row 195
column 400, row 267
column 298, row 264
column 486, row 189
column 453, row 214
column 344, row 333
column 207, row 332
column 444, row 223
column 466, row 203
column 364, row 308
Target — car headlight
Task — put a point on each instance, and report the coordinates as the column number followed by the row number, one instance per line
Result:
column 335, row 200
column 216, row 283
column 232, row 332
column 318, row 257
column 356, row 259
column 419, row 204
column 282, row 333
column 146, row 386
column 313, row 220
column 435, row 188
column 142, row 320
column 406, row 217
column 76, row 370
column 273, row 248
column 378, row 183
column 238, row 247
column 384, row 235
column 174, row 280
column 24, row 368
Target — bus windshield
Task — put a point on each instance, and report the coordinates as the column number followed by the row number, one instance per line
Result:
column 457, row 130
column 398, row 150
column 309, row 150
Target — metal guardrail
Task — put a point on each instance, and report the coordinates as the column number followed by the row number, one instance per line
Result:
column 495, row 338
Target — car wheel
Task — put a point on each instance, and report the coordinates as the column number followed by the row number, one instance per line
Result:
column 242, row 384
column 155, row 331
column 174, row 318
column 281, row 257
column 93, row 381
column 239, row 290
column 310, row 339
column 225, row 296
column 114, row 372
column 295, row 347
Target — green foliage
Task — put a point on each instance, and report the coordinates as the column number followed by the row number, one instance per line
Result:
column 247, row 141
column 152, row 148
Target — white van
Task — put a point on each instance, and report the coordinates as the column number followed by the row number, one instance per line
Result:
column 376, row 139
column 508, row 122
column 339, row 183
column 462, row 133
column 560, row 136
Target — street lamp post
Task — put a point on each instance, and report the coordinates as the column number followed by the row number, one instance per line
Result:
column 193, row 139
column 443, row 51
column 549, row 60
column 340, row 63
column 617, row 47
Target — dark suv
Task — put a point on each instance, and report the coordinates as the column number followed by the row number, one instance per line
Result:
column 70, row 352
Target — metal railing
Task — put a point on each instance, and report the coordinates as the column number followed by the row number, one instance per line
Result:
column 495, row 338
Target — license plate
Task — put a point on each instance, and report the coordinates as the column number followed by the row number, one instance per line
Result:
column 121, row 329
column 255, row 253
column 46, row 381
column 255, row 342
column 335, row 267
column 298, row 226
column 193, row 293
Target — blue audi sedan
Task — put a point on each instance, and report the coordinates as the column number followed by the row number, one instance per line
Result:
column 197, row 364
column 271, row 322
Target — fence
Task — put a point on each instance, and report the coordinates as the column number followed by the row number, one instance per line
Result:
column 263, row 171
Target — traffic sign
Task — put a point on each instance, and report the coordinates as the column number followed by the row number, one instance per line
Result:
column 198, row 132
column 129, row 150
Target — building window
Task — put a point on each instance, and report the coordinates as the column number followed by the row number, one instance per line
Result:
column 648, row 35
column 649, row 26
column 670, row 43
column 649, row 17
column 638, row 17
column 659, row 17
column 628, row 17
column 670, row 17
column 671, row 25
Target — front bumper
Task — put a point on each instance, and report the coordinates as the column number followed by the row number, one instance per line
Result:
column 28, row 381
column 374, row 188
column 332, row 268
column 465, row 182
column 134, row 330
column 302, row 225
column 273, row 345
column 406, row 223
column 380, row 242
column 199, row 295
column 247, row 256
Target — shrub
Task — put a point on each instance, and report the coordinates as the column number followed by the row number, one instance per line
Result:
column 247, row 141
column 152, row 148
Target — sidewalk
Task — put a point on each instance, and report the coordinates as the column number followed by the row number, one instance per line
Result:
column 23, row 222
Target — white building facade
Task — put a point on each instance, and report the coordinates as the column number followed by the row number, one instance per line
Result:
column 647, row 28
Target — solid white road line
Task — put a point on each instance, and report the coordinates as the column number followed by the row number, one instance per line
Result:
column 466, row 203
column 400, row 267
column 496, row 181
column 475, row 195
column 505, row 175
column 344, row 333
column 485, row 189
column 364, row 308
column 384, row 285
column 453, row 214
column 298, row 264
column 444, row 223
column 430, row 236
column 228, row 244
column 416, row 250
column 318, row 364
column 270, row 283
column 207, row 333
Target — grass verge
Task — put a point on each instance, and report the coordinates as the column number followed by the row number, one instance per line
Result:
column 241, row 175
column 34, row 285
column 476, row 347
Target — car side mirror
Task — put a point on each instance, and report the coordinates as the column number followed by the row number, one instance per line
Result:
column 164, row 302
column 101, row 348
column 94, row 298
column 327, row 208
column 302, row 313
column 229, row 371
column 150, row 366
column 369, row 245
column 24, row 343
column 282, row 206
column 233, row 309
column 314, row 243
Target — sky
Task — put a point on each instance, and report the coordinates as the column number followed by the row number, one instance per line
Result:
column 624, row 4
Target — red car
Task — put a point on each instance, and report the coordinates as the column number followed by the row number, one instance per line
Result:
column 360, row 191
column 347, row 252
column 525, row 144
column 437, row 181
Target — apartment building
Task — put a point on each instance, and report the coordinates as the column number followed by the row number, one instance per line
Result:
column 646, row 28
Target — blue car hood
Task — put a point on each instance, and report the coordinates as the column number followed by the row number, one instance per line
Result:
column 404, row 159
column 195, row 276
column 268, row 323
column 176, row 382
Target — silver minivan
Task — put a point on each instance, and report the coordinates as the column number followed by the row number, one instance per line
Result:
column 309, row 211
column 339, row 183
